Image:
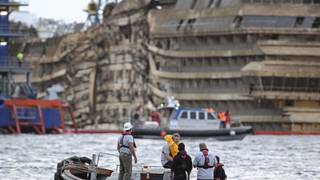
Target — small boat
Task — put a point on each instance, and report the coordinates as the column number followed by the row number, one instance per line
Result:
column 83, row 168
column 80, row 168
column 190, row 122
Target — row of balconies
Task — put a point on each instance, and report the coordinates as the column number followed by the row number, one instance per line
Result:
column 287, row 84
column 200, row 4
column 195, row 68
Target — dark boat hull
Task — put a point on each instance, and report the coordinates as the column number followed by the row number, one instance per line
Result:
column 219, row 134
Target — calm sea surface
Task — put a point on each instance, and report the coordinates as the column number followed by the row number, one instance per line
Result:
column 34, row 157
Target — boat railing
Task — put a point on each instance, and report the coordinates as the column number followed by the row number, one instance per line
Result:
column 101, row 154
column 236, row 123
column 137, row 169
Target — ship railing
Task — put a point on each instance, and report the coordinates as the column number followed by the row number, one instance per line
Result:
column 137, row 169
column 11, row 62
column 13, row 31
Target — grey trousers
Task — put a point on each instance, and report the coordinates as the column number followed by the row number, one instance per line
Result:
column 125, row 166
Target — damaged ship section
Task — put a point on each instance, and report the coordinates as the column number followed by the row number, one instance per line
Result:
column 103, row 70
column 258, row 59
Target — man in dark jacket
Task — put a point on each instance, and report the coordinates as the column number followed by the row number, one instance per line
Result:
column 182, row 164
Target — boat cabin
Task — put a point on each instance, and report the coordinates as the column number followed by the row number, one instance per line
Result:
column 194, row 119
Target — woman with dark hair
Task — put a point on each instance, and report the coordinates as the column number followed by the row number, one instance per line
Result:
column 182, row 164
column 219, row 173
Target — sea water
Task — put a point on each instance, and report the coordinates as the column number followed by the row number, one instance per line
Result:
column 34, row 157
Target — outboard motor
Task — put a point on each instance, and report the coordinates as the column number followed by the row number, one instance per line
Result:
column 74, row 160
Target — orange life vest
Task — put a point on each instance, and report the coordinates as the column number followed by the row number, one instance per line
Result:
column 222, row 116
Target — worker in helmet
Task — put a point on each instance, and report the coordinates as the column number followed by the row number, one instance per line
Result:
column 126, row 148
column 20, row 58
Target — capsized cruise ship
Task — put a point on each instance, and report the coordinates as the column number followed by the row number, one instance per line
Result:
column 259, row 59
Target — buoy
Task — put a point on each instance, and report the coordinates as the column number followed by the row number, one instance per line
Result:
column 232, row 133
column 163, row 133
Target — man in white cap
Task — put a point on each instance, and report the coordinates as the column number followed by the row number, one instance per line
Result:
column 126, row 148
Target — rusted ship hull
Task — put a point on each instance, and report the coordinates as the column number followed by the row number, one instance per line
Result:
column 258, row 59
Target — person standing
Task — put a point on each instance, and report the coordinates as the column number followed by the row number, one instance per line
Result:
column 181, row 165
column 20, row 58
column 166, row 157
column 219, row 172
column 205, row 163
column 228, row 119
column 169, row 149
column 126, row 148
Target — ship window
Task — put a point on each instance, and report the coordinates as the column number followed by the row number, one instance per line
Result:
column 316, row 1
column 193, row 4
column 299, row 22
column 192, row 115
column 313, row 84
column 180, row 23
column 289, row 84
column 237, row 21
column 279, row 84
column 126, row 31
column 157, row 65
column 159, row 45
column 218, row 3
column 184, row 62
column 307, row 1
column 201, row 116
column 301, row 84
column 190, row 23
column 289, row 103
column 316, row 23
column 184, row 115
column 210, row 116
column 168, row 43
column 210, row 3
column 124, row 112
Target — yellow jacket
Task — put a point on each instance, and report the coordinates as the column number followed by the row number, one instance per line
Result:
column 173, row 147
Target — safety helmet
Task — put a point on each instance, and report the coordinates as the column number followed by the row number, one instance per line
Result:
column 127, row 126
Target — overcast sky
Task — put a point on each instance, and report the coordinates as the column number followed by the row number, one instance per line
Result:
column 67, row 10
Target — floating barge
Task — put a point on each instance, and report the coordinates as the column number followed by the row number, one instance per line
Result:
column 20, row 111
column 39, row 116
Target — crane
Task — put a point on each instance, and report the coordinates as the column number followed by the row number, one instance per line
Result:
column 94, row 9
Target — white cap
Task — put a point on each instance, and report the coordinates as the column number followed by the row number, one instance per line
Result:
column 127, row 126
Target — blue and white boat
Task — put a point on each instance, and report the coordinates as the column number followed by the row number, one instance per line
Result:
column 192, row 122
